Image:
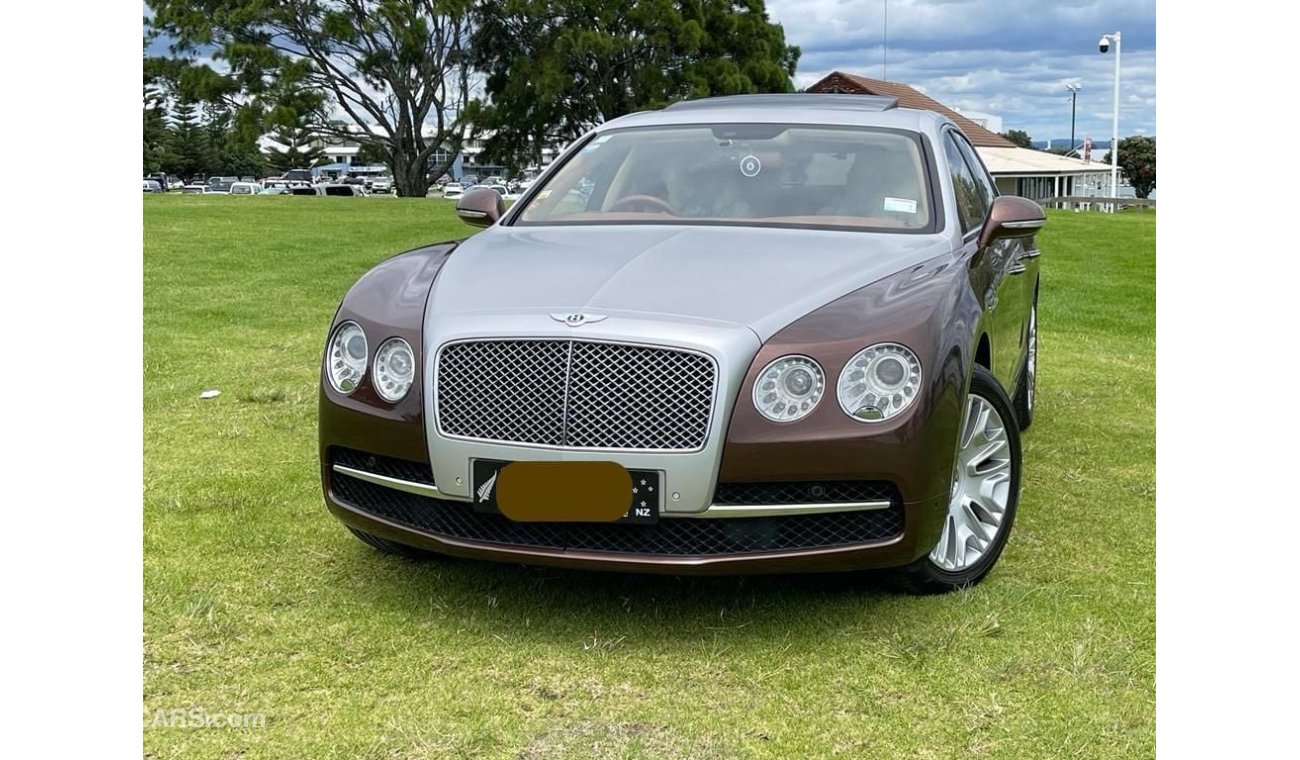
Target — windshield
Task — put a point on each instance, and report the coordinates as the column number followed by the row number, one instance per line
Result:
column 753, row 174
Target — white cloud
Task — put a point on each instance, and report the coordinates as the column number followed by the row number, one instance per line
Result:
column 1008, row 57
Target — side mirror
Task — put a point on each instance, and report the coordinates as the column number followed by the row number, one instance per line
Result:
column 481, row 207
column 1012, row 217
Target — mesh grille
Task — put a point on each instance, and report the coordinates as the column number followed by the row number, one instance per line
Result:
column 669, row 537
column 415, row 472
column 816, row 492
column 503, row 390
column 616, row 396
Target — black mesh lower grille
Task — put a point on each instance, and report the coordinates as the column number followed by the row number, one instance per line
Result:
column 813, row 492
column 671, row 537
column 415, row 472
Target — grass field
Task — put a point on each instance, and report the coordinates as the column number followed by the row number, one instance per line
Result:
column 256, row 600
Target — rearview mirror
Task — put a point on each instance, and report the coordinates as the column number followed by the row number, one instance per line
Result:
column 481, row 207
column 1012, row 217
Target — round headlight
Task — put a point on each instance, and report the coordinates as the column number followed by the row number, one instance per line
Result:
column 394, row 369
column 879, row 382
column 789, row 388
column 345, row 361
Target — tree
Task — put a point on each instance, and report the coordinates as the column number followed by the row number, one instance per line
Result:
column 399, row 65
column 184, row 154
column 155, row 129
column 1020, row 138
column 556, row 68
column 301, row 149
column 371, row 154
column 230, row 148
column 1137, row 159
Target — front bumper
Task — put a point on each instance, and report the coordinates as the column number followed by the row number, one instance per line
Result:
column 397, row 500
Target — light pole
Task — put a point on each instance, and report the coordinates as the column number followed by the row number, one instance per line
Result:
column 1104, row 45
column 1074, row 88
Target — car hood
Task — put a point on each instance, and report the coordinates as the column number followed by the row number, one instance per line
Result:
column 761, row 278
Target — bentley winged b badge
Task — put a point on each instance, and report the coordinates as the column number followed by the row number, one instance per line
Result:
column 578, row 319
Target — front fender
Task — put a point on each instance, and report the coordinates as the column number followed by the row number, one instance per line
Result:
column 388, row 301
column 931, row 309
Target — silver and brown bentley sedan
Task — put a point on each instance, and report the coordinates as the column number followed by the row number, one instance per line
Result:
column 759, row 333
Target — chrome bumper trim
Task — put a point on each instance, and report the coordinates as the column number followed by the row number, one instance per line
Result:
column 419, row 489
column 779, row 510
column 714, row 511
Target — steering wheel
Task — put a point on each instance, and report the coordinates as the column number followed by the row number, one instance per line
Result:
column 650, row 200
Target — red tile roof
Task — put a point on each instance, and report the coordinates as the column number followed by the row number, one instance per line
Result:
column 838, row 81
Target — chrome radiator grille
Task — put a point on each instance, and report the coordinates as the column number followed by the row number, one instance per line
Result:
column 580, row 394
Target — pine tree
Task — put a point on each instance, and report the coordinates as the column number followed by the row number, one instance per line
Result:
column 155, row 130
column 184, row 151
column 216, row 125
column 301, row 149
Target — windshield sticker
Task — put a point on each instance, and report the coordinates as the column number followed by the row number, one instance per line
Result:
column 901, row 205
column 594, row 145
column 750, row 166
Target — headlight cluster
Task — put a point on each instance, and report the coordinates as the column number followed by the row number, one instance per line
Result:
column 394, row 369
column 876, row 384
column 789, row 388
column 879, row 382
column 345, row 363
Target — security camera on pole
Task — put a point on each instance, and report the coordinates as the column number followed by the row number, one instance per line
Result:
column 1103, row 45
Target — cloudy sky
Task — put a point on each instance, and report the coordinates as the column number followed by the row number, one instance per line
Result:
column 1011, row 58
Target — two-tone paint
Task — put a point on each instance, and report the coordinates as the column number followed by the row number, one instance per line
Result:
column 955, row 297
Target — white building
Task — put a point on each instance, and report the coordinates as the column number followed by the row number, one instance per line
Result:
column 1017, row 171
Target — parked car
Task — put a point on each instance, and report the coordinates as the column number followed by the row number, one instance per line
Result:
column 468, row 180
column 297, row 175
column 343, row 189
column 174, row 182
column 246, row 188
column 152, row 186
column 195, row 188
column 218, row 186
column 307, row 190
column 452, row 190
column 382, row 185
column 776, row 333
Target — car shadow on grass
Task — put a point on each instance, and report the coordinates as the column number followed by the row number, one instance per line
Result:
column 543, row 604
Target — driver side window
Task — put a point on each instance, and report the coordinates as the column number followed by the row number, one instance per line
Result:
column 972, row 206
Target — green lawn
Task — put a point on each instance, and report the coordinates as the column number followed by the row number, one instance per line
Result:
column 256, row 600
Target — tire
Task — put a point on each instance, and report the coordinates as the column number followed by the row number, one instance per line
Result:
column 392, row 547
column 954, row 564
column 1027, row 385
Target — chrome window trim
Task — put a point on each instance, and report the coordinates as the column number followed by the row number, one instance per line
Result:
column 715, row 405
column 715, row 511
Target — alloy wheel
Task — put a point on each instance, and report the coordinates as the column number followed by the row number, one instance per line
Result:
column 981, row 487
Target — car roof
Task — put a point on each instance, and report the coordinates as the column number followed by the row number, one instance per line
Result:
column 788, row 108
